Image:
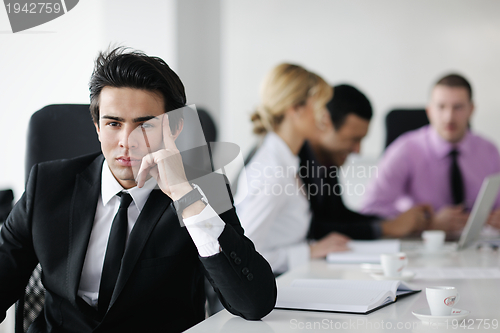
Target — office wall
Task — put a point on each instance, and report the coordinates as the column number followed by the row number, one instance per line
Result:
column 52, row 63
column 198, row 52
column 392, row 50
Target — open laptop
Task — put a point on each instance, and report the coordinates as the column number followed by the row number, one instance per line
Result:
column 480, row 211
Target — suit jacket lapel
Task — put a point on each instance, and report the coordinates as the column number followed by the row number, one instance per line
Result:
column 153, row 210
column 83, row 207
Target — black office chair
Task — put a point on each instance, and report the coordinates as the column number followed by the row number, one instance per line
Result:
column 208, row 125
column 54, row 132
column 199, row 129
column 6, row 200
column 399, row 121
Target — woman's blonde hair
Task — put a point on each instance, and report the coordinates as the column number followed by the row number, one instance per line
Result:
column 285, row 86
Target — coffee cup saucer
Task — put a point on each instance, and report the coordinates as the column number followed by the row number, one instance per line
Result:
column 447, row 248
column 425, row 316
column 405, row 276
column 371, row 268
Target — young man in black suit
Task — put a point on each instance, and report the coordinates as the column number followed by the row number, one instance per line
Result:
column 346, row 124
column 124, row 238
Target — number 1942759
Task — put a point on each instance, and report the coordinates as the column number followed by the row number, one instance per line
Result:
column 473, row 324
column 33, row 7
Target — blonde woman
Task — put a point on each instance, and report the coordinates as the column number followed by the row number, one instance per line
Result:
column 275, row 211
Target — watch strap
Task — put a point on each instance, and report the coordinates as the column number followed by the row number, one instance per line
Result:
column 187, row 200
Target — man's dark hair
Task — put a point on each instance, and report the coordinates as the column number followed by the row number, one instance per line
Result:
column 124, row 68
column 455, row 80
column 347, row 99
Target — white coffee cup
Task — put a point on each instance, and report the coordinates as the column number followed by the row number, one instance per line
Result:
column 433, row 240
column 442, row 299
column 393, row 263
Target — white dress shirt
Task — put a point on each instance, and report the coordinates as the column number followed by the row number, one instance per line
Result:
column 275, row 212
column 204, row 228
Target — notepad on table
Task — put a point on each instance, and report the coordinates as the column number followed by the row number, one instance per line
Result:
column 349, row 296
column 365, row 251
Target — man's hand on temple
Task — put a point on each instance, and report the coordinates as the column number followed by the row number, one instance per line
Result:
column 166, row 166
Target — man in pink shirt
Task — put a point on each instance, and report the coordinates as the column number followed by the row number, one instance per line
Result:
column 442, row 164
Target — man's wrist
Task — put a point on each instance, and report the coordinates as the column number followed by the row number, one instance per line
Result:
column 388, row 228
column 194, row 209
column 180, row 190
column 385, row 227
column 191, row 203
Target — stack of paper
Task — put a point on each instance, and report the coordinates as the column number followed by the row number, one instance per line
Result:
column 352, row 296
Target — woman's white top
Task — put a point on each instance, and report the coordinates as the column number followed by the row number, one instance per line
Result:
column 272, row 205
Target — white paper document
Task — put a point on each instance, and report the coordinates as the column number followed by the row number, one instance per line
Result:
column 365, row 251
column 352, row 296
column 456, row 273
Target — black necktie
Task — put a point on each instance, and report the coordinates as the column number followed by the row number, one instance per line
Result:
column 114, row 253
column 457, row 185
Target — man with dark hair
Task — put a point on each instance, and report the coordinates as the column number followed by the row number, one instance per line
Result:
column 124, row 238
column 442, row 164
column 350, row 113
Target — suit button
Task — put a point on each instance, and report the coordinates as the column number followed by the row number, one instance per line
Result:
column 232, row 255
column 250, row 277
column 237, row 261
column 245, row 271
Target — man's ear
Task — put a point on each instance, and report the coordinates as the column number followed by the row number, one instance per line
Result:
column 179, row 129
column 325, row 122
column 427, row 113
column 98, row 130
column 472, row 109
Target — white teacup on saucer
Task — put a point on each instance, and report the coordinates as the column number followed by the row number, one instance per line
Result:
column 442, row 299
column 433, row 240
column 393, row 263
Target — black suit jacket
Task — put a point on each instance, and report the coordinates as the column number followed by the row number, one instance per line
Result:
column 160, row 286
column 329, row 211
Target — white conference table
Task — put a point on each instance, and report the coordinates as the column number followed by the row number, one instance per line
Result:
column 479, row 296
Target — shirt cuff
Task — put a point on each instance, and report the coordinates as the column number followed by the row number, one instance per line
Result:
column 205, row 229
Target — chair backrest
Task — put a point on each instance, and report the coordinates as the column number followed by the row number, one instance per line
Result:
column 54, row 132
column 208, row 125
column 60, row 131
column 399, row 121
column 6, row 200
column 199, row 129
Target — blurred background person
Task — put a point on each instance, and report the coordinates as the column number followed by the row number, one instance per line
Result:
column 442, row 164
column 343, row 128
column 275, row 212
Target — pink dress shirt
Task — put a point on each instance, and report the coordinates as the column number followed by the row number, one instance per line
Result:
column 415, row 169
